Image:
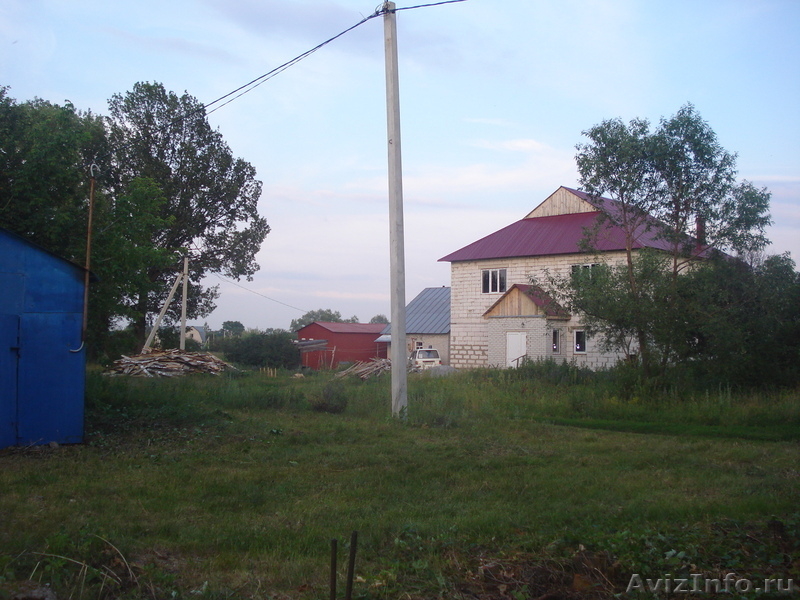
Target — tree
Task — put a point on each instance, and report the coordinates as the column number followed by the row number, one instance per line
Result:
column 672, row 183
column 324, row 315
column 233, row 328
column 44, row 151
column 379, row 319
column 742, row 325
column 270, row 348
column 210, row 197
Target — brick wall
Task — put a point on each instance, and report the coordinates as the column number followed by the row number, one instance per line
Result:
column 470, row 331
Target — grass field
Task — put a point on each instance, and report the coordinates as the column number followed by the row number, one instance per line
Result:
column 499, row 484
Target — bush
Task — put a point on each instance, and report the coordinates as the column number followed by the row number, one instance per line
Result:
column 274, row 349
column 332, row 399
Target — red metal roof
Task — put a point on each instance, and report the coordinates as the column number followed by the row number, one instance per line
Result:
column 375, row 328
column 544, row 236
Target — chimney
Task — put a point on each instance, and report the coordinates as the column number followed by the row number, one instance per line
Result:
column 700, row 231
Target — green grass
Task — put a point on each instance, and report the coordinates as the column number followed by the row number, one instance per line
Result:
column 236, row 483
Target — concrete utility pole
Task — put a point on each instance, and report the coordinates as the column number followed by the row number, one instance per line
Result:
column 396, row 245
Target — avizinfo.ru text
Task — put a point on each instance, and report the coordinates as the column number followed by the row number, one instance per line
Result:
column 702, row 584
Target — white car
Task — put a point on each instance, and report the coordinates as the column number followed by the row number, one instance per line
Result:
column 424, row 358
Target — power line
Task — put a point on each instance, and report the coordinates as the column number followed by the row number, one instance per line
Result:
column 253, row 84
column 259, row 293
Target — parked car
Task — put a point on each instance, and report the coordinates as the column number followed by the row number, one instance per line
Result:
column 424, row 358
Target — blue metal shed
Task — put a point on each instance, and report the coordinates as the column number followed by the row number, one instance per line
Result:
column 42, row 360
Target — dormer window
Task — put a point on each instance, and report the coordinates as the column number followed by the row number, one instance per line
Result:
column 493, row 281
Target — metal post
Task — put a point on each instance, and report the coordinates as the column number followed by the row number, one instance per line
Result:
column 88, row 260
column 396, row 234
column 183, row 304
column 334, row 543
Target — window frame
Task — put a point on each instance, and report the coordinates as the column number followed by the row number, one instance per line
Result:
column 581, row 333
column 556, row 341
column 578, row 269
column 494, row 281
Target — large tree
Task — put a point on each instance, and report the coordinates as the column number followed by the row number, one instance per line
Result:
column 679, row 184
column 210, row 198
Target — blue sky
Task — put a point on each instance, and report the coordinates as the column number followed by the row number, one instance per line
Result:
column 494, row 96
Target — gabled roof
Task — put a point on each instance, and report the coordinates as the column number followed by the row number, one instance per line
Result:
column 556, row 234
column 537, row 295
column 428, row 313
column 372, row 328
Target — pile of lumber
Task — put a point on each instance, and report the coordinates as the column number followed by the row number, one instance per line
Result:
column 167, row 363
column 365, row 370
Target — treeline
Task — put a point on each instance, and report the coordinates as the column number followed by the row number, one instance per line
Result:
column 274, row 348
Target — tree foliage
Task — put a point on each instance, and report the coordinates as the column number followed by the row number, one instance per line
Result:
column 234, row 328
column 676, row 184
column 271, row 348
column 324, row 315
column 166, row 185
column 43, row 184
column 210, row 196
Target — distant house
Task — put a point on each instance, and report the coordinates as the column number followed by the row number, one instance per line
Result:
column 198, row 333
column 498, row 318
column 427, row 322
column 325, row 345
column 42, row 358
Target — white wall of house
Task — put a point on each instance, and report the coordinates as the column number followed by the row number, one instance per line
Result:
column 440, row 342
column 470, row 330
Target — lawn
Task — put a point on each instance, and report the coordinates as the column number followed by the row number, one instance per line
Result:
column 497, row 484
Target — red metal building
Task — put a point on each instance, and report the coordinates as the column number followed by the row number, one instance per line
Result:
column 339, row 343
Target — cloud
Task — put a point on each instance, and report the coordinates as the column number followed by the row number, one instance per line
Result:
column 173, row 45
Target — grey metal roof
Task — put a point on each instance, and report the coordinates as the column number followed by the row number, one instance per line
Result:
column 428, row 313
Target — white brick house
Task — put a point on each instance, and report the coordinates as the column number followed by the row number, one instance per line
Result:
column 497, row 318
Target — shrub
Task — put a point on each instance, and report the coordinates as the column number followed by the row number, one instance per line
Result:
column 332, row 398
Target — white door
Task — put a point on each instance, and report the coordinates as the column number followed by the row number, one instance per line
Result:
column 516, row 347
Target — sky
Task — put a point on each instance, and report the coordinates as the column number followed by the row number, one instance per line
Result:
column 494, row 95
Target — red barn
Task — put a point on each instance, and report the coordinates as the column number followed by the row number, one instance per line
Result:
column 339, row 343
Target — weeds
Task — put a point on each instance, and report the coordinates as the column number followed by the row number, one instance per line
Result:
column 232, row 487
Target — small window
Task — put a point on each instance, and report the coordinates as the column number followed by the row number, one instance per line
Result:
column 556, row 341
column 493, row 281
column 585, row 270
column 580, row 342
column 417, row 345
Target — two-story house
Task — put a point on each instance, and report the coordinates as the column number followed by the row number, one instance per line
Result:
column 497, row 318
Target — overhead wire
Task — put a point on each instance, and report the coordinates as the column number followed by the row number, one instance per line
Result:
column 253, row 84
column 225, row 279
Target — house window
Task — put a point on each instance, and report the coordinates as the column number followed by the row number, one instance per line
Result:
column 580, row 342
column 417, row 345
column 585, row 270
column 556, row 341
column 494, row 281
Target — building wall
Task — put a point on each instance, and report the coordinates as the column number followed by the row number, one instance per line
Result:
column 469, row 330
column 440, row 342
column 561, row 202
column 342, row 346
column 42, row 357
